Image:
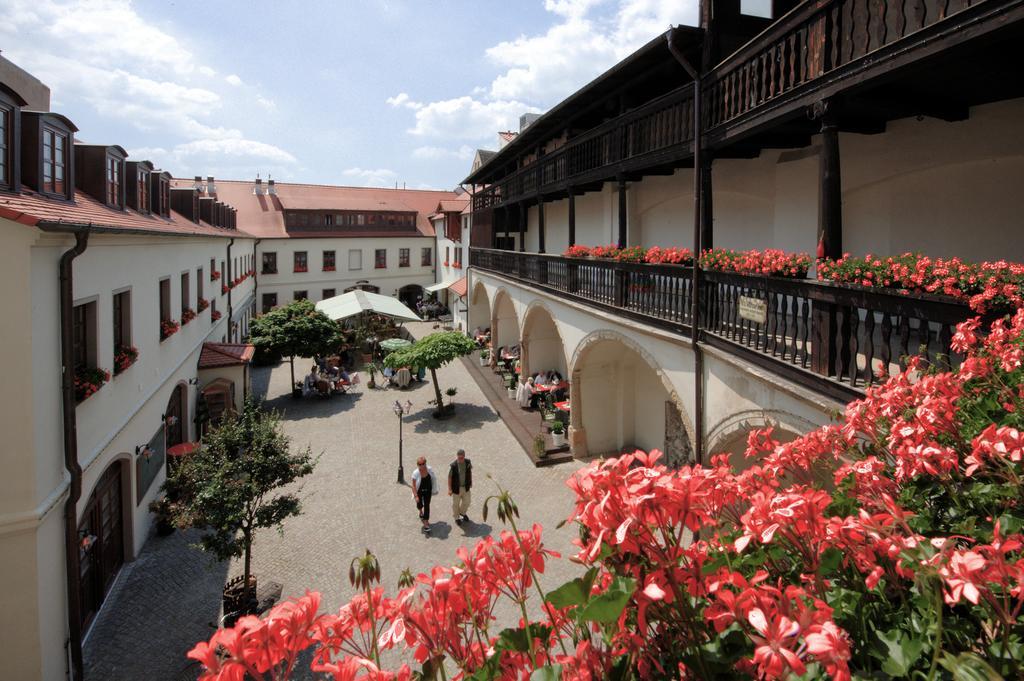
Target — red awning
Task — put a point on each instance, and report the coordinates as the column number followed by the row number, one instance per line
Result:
column 182, row 449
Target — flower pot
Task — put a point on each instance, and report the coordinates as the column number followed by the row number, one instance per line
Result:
column 558, row 439
column 483, row 361
column 512, row 393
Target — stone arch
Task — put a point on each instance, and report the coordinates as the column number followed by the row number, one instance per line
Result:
column 543, row 346
column 505, row 328
column 729, row 436
column 479, row 307
column 625, row 400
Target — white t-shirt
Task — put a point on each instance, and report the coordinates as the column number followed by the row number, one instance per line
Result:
column 433, row 479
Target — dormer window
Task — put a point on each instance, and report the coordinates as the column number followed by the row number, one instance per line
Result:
column 142, row 189
column 113, row 182
column 160, row 190
column 6, row 130
column 137, row 186
column 55, row 161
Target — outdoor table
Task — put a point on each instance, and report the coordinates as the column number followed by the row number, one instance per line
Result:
column 562, row 406
column 543, row 388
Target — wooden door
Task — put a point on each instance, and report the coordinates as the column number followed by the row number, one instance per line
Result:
column 175, row 425
column 101, row 542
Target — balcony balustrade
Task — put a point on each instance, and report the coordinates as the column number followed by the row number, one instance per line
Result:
column 832, row 338
column 811, row 53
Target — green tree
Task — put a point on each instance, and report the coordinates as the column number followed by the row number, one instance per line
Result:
column 295, row 330
column 432, row 352
column 229, row 487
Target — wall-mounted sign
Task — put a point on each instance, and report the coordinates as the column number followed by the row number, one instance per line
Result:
column 149, row 464
column 753, row 309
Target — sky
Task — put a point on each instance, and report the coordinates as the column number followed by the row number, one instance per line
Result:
column 367, row 93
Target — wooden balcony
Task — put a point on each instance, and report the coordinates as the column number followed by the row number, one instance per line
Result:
column 758, row 97
column 830, row 338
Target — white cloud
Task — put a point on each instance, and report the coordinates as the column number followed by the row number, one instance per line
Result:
column 463, row 153
column 465, row 118
column 402, row 99
column 380, row 177
column 128, row 70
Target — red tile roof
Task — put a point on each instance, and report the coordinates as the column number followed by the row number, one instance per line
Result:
column 225, row 354
column 263, row 216
column 31, row 208
column 459, row 287
column 452, row 205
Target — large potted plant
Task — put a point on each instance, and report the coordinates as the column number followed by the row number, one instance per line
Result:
column 485, row 356
column 231, row 487
column 511, row 385
column 557, row 433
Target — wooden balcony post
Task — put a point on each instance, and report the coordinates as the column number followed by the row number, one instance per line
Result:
column 824, row 318
column 508, row 223
column 572, row 217
column 623, row 213
column 522, row 227
column 540, row 224
column 706, row 205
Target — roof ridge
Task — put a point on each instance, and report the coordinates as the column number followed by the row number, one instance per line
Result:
column 331, row 186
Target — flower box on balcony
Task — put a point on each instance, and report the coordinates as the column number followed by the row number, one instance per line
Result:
column 215, row 315
column 203, row 304
column 168, row 329
column 124, row 357
column 187, row 315
column 88, row 381
column 214, row 275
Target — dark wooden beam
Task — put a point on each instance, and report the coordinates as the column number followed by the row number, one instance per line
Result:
column 540, row 225
column 572, row 216
column 706, row 205
column 623, row 213
column 830, row 190
column 522, row 215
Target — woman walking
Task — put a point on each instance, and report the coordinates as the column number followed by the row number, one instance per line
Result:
column 424, row 486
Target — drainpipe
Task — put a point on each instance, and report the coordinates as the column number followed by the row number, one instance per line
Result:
column 231, row 278
column 255, row 269
column 698, row 132
column 67, row 394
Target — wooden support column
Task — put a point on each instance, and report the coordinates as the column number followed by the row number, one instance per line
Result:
column 540, row 224
column 623, row 213
column 523, row 216
column 706, row 205
column 826, row 319
column 508, row 223
column 572, row 217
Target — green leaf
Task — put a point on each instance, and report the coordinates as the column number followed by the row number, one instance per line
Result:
column 969, row 667
column 607, row 607
column 901, row 652
column 831, row 559
column 490, row 670
column 547, row 673
column 518, row 640
column 573, row 593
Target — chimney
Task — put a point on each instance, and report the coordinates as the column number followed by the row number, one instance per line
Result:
column 257, row 188
column 211, row 188
column 198, row 184
column 271, row 188
column 526, row 120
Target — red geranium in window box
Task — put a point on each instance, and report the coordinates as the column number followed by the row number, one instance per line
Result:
column 224, row 288
column 215, row 315
column 214, row 275
column 88, row 381
column 300, row 268
column 124, row 357
column 203, row 304
column 168, row 329
column 187, row 315
column 770, row 262
column 446, row 263
column 328, row 268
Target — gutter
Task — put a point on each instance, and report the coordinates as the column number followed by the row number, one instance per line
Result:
column 698, row 134
column 255, row 269
column 67, row 389
column 76, row 227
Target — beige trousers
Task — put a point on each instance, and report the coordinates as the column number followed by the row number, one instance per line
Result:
column 460, row 503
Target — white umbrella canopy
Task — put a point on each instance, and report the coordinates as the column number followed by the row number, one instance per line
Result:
column 356, row 302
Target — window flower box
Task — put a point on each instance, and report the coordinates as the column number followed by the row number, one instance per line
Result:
column 168, row 329
column 329, row 268
column 300, row 269
column 770, row 262
column 88, row 381
column 224, row 289
column 445, row 263
column 457, row 265
column 203, row 304
column 214, row 275
column 124, row 357
column 215, row 315
column 187, row 315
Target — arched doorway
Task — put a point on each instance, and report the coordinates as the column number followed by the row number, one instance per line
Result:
column 542, row 344
column 504, row 324
column 620, row 402
column 479, row 308
column 410, row 295
column 175, row 426
column 363, row 286
column 101, row 540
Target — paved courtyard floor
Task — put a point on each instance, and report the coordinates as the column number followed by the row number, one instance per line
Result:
column 166, row 600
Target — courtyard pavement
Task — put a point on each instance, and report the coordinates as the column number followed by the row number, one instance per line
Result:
column 166, row 600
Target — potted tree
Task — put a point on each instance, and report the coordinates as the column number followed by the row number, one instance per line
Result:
column 557, row 433
column 512, row 386
column 230, row 488
column 485, row 356
column 433, row 352
column 295, row 330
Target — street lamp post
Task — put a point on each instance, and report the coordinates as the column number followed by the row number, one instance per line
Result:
column 401, row 411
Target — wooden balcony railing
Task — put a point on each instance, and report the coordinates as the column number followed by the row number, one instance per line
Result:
column 818, row 41
column 831, row 338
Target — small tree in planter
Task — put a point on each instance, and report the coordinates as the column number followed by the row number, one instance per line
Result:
column 229, row 486
column 433, row 352
column 451, row 392
column 295, row 330
column 557, row 433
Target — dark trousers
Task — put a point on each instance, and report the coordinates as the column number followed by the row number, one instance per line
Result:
column 423, row 504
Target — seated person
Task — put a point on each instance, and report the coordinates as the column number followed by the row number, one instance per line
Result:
column 402, row 377
column 309, row 384
column 344, row 376
column 555, row 377
column 533, row 395
column 523, row 392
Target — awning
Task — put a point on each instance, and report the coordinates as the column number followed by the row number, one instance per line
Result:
column 182, row 449
column 356, row 302
column 459, row 288
column 439, row 286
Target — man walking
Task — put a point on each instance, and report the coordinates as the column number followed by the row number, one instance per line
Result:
column 460, row 480
column 424, row 486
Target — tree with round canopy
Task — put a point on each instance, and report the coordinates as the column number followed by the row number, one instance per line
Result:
column 432, row 352
column 295, row 330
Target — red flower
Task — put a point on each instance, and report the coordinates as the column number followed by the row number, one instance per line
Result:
column 168, row 328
